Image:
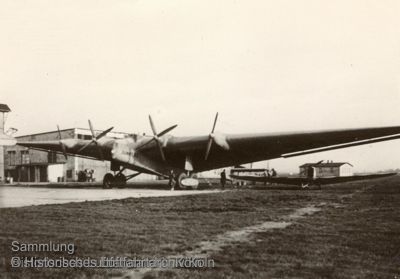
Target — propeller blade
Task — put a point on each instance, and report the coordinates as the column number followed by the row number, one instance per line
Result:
column 85, row 146
column 166, row 130
column 208, row 148
column 161, row 150
column 99, row 151
column 91, row 129
column 94, row 140
column 211, row 137
column 59, row 132
column 102, row 134
column 156, row 138
column 215, row 123
column 153, row 128
column 146, row 143
column 63, row 148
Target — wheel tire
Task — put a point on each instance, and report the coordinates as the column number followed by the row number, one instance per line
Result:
column 194, row 176
column 120, row 181
column 178, row 181
column 108, row 181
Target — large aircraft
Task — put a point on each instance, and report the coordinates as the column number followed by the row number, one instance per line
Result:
column 185, row 156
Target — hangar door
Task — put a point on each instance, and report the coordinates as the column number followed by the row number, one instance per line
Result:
column 55, row 172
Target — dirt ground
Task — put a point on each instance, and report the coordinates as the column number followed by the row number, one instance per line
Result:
column 343, row 231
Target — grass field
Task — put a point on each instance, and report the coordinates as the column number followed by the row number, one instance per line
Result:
column 354, row 234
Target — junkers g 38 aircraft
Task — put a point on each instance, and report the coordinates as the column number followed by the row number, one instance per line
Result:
column 185, row 156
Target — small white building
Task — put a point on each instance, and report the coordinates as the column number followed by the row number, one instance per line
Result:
column 327, row 169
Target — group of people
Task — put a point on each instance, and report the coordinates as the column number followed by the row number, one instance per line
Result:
column 270, row 173
column 8, row 179
column 86, row 175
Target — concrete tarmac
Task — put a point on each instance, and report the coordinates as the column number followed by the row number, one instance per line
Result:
column 26, row 196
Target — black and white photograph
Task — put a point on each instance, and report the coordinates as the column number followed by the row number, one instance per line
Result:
column 199, row 139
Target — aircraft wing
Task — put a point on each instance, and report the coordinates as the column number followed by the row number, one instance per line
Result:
column 303, row 180
column 229, row 150
column 225, row 150
column 72, row 147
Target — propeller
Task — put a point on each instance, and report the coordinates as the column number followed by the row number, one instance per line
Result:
column 219, row 139
column 94, row 140
column 210, row 138
column 156, row 137
column 62, row 145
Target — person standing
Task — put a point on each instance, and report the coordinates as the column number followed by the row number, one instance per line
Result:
column 87, row 178
column 223, row 179
column 171, row 180
column 266, row 175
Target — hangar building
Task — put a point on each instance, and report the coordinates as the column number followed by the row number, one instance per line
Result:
column 28, row 165
column 4, row 109
column 328, row 169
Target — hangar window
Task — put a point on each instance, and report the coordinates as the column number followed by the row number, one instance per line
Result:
column 11, row 157
column 84, row 137
column 25, row 159
column 52, row 157
column 69, row 173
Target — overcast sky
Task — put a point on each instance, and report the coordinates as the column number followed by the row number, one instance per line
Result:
column 265, row 66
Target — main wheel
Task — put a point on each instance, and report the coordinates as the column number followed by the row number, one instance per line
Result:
column 120, row 180
column 108, row 181
column 194, row 176
column 179, row 181
column 183, row 176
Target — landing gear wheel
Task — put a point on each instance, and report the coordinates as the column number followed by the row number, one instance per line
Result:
column 108, row 181
column 120, row 180
column 192, row 175
column 179, row 180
